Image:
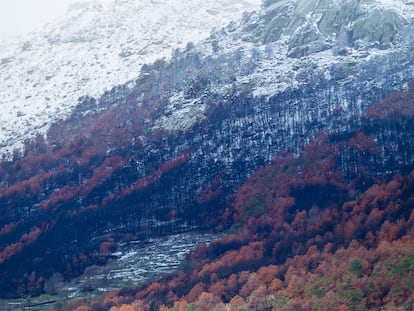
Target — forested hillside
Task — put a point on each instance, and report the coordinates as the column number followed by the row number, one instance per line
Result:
column 115, row 170
column 327, row 229
column 290, row 134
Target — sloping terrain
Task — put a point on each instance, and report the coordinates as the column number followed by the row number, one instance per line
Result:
column 165, row 152
column 95, row 46
column 323, row 230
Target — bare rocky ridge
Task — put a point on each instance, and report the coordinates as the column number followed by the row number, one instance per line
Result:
column 317, row 25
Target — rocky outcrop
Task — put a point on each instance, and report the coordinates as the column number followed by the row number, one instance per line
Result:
column 313, row 26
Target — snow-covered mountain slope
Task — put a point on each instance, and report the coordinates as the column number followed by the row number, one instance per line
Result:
column 103, row 43
column 98, row 44
column 292, row 39
column 292, row 43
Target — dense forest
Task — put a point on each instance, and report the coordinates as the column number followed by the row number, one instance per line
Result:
column 321, row 230
column 288, row 134
column 118, row 170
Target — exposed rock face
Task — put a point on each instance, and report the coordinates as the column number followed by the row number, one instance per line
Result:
column 307, row 39
column 317, row 25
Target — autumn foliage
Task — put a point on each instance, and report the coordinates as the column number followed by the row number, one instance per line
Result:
column 327, row 229
column 66, row 187
column 346, row 195
column 342, row 267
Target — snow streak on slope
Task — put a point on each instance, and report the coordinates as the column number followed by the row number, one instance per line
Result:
column 95, row 46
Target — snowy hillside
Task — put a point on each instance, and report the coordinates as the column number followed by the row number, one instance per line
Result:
column 103, row 43
column 98, row 44
column 289, row 44
column 291, row 40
